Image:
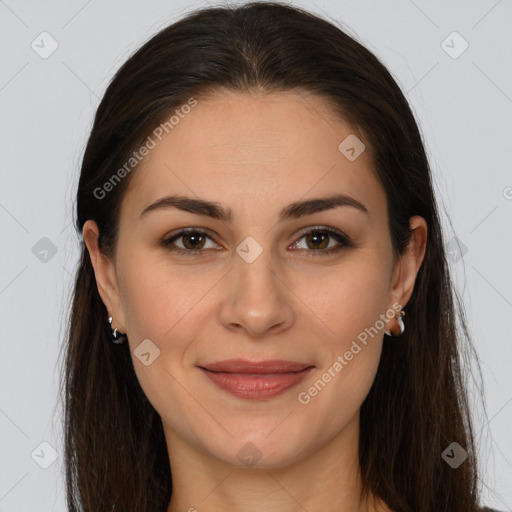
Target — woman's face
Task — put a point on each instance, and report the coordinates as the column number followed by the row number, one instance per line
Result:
column 258, row 286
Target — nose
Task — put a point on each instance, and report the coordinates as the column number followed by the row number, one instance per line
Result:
column 257, row 299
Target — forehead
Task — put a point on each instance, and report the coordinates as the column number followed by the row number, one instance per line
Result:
column 254, row 149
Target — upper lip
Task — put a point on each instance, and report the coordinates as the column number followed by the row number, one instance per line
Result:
column 263, row 367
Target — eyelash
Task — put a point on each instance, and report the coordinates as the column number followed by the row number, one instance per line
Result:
column 338, row 235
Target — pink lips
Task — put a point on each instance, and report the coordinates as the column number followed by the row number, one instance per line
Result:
column 256, row 380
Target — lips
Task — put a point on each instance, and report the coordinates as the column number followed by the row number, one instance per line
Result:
column 258, row 367
column 256, row 380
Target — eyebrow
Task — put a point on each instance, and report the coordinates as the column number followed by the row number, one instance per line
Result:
column 212, row 209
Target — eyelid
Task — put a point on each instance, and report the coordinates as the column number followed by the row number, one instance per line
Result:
column 320, row 227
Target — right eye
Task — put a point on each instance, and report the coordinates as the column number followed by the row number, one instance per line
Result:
column 193, row 241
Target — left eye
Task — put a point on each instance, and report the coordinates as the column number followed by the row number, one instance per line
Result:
column 194, row 241
column 319, row 236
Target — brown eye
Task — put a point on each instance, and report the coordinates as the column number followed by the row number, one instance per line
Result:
column 193, row 241
column 317, row 240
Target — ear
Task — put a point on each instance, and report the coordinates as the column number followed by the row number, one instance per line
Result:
column 409, row 263
column 105, row 274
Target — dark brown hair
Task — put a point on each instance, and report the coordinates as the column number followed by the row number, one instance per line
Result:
column 115, row 450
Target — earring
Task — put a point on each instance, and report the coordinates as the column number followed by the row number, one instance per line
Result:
column 117, row 337
column 400, row 324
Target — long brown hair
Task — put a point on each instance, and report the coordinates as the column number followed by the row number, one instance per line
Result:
column 115, row 450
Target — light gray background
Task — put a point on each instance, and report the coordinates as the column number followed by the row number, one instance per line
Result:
column 464, row 107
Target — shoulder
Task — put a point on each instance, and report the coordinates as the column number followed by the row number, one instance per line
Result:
column 487, row 509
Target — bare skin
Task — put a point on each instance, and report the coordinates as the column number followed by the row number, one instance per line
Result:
column 256, row 154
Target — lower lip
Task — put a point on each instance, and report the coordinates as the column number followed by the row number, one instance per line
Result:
column 256, row 387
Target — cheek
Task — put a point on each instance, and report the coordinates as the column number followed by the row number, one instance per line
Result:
column 158, row 303
column 146, row 300
column 352, row 309
column 169, row 305
column 155, row 294
column 166, row 302
column 349, row 358
column 347, row 299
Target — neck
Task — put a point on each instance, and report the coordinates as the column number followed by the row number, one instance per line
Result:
column 326, row 479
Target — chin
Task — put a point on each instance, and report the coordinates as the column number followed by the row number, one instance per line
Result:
column 264, row 451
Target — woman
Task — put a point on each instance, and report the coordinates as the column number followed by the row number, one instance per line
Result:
column 263, row 317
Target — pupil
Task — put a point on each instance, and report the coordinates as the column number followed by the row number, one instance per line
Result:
column 193, row 236
column 318, row 238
